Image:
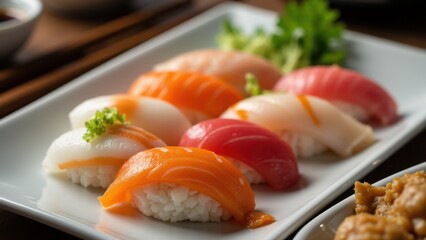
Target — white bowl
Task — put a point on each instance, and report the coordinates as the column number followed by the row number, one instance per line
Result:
column 14, row 33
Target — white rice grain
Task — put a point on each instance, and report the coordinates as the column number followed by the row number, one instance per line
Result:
column 173, row 203
column 252, row 176
column 94, row 176
column 303, row 146
column 355, row 111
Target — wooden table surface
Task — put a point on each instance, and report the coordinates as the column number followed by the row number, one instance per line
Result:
column 405, row 25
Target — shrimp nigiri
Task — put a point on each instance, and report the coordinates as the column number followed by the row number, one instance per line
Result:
column 231, row 66
column 352, row 92
column 309, row 124
column 156, row 116
column 175, row 184
column 96, row 163
column 260, row 154
column 198, row 96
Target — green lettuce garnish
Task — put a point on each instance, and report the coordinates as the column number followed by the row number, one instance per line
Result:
column 252, row 86
column 306, row 34
column 98, row 124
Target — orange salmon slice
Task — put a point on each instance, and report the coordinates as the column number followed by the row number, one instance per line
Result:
column 197, row 169
column 191, row 90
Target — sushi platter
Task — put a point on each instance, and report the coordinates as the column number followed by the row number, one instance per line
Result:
column 51, row 198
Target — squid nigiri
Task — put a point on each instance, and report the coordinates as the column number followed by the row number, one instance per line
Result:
column 231, row 66
column 156, row 116
column 309, row 124
column 260, row 154
column 198, row 96
column 175, row 184
column 352, row 92
column 96, row 163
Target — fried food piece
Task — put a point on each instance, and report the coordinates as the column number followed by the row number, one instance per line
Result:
column 395, row 211
column 365, row 226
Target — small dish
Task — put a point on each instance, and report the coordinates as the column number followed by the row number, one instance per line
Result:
column 325, row 225
column 17, row 20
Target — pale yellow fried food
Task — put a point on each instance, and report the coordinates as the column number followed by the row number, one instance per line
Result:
column 395, row 211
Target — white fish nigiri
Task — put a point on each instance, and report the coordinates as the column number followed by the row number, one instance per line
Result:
column 230, row 66
column 154, row 115
column 96, row 163
column 309, row 124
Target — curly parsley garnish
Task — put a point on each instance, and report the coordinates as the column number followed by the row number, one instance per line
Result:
column 252, row 86
column 305, row 34
column 98, row 124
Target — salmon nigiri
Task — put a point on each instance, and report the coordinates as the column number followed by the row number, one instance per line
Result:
column 260, row 154
column 96, row 163
column 231, row 66
column 309, row 124
column 198, row 96
column 156, row 116
column 352, row 92
column 175, row 184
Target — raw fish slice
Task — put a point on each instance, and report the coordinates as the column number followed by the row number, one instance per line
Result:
column 343, row 86
column 255, row 146
column 95, row 163
column 230, row 66
column 305, row 115
column 154, row 115
column 192, row 168
column 199, row 96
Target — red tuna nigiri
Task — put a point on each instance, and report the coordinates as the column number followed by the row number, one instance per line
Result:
column 253, row 145
column 341, row 85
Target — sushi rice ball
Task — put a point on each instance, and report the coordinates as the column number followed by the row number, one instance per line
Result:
column 176, row 184
column 309, row 124
column 96, row 163
column 154, row 115
column 350, row 91
column 257, row 152
column 198, row 96
column 230, row 66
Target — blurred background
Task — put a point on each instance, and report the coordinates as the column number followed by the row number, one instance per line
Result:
column 399, row 20
column 61, row 20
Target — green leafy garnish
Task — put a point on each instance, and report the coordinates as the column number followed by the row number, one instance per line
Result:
column 253, row 87
column 98, row 124
column 306, row 34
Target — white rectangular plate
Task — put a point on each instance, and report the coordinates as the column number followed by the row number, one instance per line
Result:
column 25, row 136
